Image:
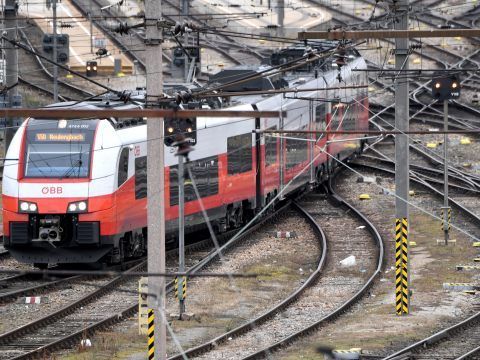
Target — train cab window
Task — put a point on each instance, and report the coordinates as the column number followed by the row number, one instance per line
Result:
column 141, row 177
column 239, row 154
column 123, row 166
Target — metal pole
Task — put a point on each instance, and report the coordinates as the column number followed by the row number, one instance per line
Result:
column 281, row 14
column 402, row 166
column 91, row 27
column 156, row 178
column 185, row 37
column 181, row 231
column 11, row 64
column 55, row 57
column 445, row 172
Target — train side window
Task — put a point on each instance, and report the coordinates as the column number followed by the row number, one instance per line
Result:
column 205, row 175
column 141, row 177
column 239, row 154
column 271, row 148
column 123, row 166
column 320, row 117
column 296, row 151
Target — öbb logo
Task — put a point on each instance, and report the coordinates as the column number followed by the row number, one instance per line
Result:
column 52, row 190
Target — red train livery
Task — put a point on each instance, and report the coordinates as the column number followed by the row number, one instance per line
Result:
column 78, row 191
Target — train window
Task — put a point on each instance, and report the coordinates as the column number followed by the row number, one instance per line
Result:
column 271, row 148
column 123, row 166
column 338, row 110
column 320, row 117
column 296, row 151
column 141, row 177
column 350, row 117
column 205, row 176
column 239, row 154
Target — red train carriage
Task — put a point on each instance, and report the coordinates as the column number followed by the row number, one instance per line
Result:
column 78, row 191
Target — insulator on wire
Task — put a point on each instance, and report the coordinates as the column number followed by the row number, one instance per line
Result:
column 122, row 28
column 102, row 52
column 183, row 97
column 180, row 29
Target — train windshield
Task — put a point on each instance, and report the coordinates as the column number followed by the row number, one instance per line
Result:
column 59, row 148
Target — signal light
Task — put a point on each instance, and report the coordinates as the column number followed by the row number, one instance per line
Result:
column 91, row 68
column 446, row 87
column 180, row 132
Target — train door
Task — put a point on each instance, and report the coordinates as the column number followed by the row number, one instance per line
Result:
column 320, row 120
column 125, row 194
column 311, row 144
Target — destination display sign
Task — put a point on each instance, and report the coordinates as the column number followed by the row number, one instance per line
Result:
column 60, row 137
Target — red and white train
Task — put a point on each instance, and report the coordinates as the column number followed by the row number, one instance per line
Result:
column 78, row 191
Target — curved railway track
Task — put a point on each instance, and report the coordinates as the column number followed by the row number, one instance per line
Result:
column 212, row 344
column 457, row 342
column 280, row 325
column 107, row 305
column 38, row 76
column 137, row 39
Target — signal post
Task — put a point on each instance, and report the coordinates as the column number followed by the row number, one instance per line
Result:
column 445, row 88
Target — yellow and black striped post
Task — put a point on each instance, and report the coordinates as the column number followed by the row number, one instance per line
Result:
column 182, row 294
column 175, row 286
column 401, row 267
column 151, row 335
column 446, row 221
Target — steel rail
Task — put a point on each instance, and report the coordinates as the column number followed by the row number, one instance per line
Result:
column 346, row 305
column 467, row 177
column 468, row 354
column 128, row 311
column 419, row 181
column 419, row 171
column 39, row 61
column 66, row 310
column 11, row 295
column 205, row 347
column 438, row 336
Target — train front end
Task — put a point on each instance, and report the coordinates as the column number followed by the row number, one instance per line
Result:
column 49, row 215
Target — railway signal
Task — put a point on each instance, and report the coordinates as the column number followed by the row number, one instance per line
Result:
column 180, row 132
column 91, row 68
column 62, row 45
column 446, row 87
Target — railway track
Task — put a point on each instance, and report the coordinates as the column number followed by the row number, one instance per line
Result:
column 136, row 41
column 282, row 305
column 95, row 311
column 14, row 286
column 293, row 317
column 419, row 93
column 457, row 342
column 36, row 75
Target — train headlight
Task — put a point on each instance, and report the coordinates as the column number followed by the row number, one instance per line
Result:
column 27, row 207
column 77, row 207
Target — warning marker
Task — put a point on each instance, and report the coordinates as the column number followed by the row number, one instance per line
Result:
column 151, row 335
